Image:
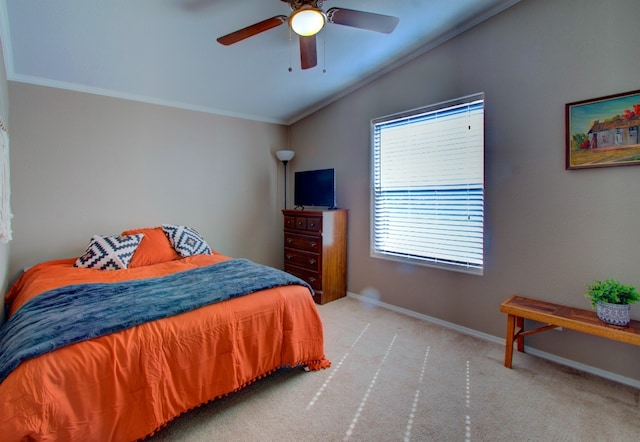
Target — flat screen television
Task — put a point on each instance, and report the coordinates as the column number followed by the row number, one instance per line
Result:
column 315, row 188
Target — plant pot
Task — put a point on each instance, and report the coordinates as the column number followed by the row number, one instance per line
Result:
column 616, row 314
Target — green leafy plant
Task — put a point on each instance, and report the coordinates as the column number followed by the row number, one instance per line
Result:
column 611, row 291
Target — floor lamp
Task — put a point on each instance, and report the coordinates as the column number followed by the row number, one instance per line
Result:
column 285, row 156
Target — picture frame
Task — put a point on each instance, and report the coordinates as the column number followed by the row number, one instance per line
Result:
column 603, row 132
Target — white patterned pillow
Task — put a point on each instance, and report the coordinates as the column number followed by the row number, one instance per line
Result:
column 186, row 241
column 109, row 252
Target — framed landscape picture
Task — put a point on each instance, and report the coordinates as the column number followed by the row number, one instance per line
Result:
column 603, row 132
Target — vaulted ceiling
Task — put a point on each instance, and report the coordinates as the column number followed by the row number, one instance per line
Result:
column 165, row 51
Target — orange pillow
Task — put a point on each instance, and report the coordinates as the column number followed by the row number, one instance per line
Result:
column 153, row 249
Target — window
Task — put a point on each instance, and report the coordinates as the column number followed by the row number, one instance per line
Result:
column 428, row 185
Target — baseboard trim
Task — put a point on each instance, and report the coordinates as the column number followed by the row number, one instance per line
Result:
column 500, row 340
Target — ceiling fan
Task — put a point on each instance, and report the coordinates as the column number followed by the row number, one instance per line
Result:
column 307, row 19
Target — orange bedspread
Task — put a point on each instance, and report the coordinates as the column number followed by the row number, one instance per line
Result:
column 126, row 385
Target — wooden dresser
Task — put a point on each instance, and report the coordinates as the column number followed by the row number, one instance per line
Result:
column 315, row 249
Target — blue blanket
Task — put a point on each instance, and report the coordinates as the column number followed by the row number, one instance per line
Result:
column 80, row 312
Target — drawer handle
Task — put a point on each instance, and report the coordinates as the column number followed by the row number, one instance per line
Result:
column 312, row 224
column 312, row 261
column 289, row 256
column 313, row 243
column 312, row 279
column 289, row 240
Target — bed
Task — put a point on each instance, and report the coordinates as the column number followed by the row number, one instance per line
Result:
column 108, row 352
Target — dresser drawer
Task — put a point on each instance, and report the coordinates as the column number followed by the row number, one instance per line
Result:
column 313, row 278
column 289, row 222
column 303, row 242
column 308, row 260
column 303, row 223
column 314, row 224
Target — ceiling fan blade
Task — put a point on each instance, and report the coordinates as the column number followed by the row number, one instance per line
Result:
column 252, row 30
column 362, row 20
column 308, row 53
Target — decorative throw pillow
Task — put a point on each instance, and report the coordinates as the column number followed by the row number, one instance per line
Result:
column 109, row 252
column 186, row 241
column 154, row 248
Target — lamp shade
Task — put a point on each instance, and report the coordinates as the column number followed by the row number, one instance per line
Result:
column 307, row 21
column 285, row 155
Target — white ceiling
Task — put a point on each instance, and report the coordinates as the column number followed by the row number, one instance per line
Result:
column 165, row 51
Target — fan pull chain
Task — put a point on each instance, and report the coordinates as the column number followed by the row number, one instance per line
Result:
column 324, row 51
column 290, row 43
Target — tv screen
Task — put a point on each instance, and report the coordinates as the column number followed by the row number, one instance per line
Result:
column 315, row 188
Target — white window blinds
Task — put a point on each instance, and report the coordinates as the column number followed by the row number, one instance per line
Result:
column 428, row 185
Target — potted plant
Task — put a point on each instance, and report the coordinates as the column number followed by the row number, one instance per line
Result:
column 612, row 300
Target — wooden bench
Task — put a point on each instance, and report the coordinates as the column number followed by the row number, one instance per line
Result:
column 519, row 308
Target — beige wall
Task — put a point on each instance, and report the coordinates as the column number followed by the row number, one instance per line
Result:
column 548, row 231
column 85, row 164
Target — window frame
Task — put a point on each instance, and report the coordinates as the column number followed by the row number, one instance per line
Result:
column 429, row 261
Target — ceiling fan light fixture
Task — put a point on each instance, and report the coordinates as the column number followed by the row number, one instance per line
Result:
column 307, row 21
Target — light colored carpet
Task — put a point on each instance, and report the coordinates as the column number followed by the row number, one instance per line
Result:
column 397, row 378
